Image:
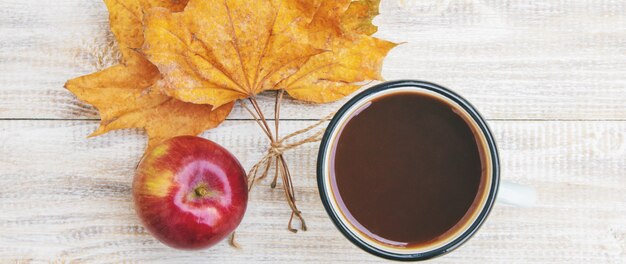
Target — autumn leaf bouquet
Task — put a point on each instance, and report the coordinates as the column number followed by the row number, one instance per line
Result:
column 185, row 63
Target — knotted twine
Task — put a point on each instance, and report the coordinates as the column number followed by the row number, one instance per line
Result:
column 274, row 154
column 279, row 147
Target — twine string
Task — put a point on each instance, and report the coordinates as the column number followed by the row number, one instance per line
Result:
column 275, row 154
column 278, row 148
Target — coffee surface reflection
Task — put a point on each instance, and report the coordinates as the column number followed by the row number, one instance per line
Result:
column 407, row 169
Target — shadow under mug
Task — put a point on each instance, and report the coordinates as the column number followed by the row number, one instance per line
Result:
column 508, row 193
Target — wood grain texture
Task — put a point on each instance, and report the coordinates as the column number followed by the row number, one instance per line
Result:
column 67, row 198
column 550, row 75
column 512, row 59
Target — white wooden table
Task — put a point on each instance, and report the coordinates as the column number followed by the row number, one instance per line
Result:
column 550, row 76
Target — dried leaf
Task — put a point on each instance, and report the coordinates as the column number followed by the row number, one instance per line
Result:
column 125, row 18
column 217, row 52
column 359, row 15
column 126, row 94
column 331, row 76
column 354, row 57
column 118, row 93
column 340, row 15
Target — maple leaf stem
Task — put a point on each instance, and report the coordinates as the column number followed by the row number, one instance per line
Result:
column 275, row 152
column 273, row 184
column 232, row 242
column 255, row 104
column 256, row 118
column 277, row 103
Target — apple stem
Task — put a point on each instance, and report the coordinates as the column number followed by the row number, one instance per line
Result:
column 201, row 191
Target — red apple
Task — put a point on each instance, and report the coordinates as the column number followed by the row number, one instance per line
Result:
column 190, row 192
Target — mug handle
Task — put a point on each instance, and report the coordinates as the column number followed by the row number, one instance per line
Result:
column 516, row 194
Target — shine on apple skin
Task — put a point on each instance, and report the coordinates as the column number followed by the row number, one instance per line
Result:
column 190, row 192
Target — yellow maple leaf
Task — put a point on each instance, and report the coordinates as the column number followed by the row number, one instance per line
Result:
column 217, row 52
column 359, row 15
column 126, row 95
column 354, row 56
column 353, row 16
column 125, row 18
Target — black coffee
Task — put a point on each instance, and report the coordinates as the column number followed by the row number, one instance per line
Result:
column 407, row 169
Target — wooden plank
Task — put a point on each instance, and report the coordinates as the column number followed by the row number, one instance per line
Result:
column 66, row 198
column 512, row 59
